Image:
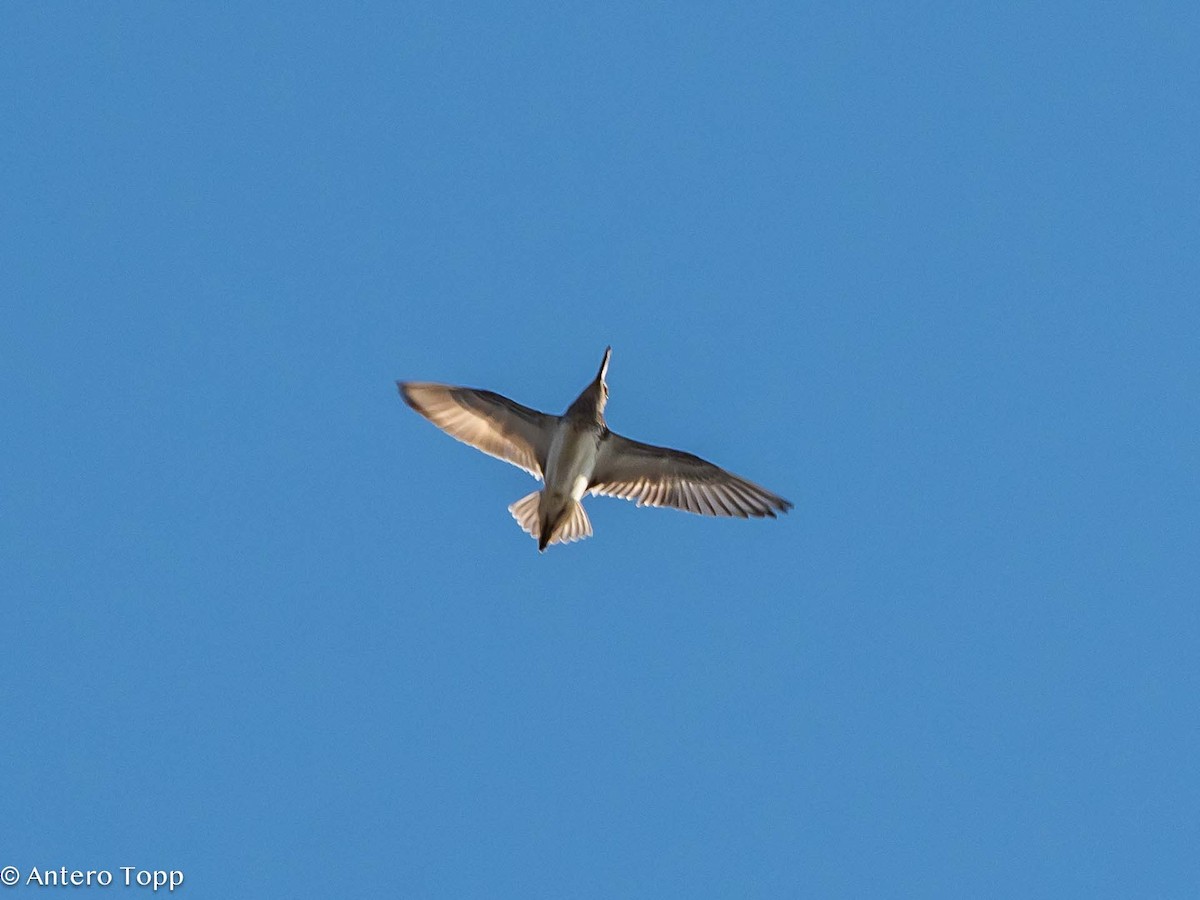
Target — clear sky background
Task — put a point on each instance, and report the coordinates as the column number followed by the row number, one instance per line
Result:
column 928, row 271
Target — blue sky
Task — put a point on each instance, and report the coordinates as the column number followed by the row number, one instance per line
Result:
column 930, row 272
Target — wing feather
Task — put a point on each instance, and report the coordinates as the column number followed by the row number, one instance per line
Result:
column 485, row 420
column 659, row 476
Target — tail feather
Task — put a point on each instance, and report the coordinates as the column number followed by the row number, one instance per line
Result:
column 574, row 525
column 525, row 511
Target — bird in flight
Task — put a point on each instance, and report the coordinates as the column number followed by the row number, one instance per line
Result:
column 576, row 454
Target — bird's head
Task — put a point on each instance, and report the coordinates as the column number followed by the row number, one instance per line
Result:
column 590, row 404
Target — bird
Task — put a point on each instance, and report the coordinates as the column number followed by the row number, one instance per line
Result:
column 576, row 454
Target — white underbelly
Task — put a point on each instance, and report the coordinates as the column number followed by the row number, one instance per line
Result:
column 572, row 460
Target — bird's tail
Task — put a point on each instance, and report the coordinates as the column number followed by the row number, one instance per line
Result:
column 572, row 525
column 525, row 511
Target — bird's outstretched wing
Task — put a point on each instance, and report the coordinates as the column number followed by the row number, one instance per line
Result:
column 486, row 421
column 658, row 476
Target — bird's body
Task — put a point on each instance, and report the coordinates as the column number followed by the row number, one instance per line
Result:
column 569, row 469
column 577, row 454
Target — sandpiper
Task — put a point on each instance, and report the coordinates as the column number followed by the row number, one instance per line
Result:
column 576, row 454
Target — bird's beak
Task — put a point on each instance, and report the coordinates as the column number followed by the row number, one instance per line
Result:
column 604, row 365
